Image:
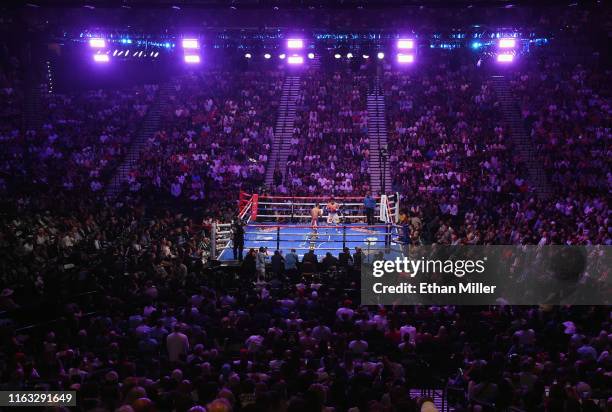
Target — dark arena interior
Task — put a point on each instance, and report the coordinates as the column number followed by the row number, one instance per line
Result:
column 220, row 206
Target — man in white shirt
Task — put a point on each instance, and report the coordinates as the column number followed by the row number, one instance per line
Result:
column 177, row 344
column 260, row 264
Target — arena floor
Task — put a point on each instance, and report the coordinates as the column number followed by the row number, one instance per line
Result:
column 302, row 238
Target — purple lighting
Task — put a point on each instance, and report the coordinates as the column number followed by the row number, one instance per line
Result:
column 507, row 43
column 101, row 58
column 405, row 58
column 405, row 44
column 192, row 59
column 295, row 60
column 191, row 44
column 295, row 44
column 505, row 58
column 97, row 43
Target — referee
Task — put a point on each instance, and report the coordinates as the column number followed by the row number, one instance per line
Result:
column 238, row 239
column 370, row 205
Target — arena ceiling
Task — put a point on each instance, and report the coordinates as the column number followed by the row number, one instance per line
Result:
column 245, row 4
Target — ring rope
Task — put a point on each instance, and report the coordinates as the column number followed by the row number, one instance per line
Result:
column 313, row 197
column 304, row 204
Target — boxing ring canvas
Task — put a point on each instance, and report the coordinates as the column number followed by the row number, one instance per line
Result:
column 303, row 237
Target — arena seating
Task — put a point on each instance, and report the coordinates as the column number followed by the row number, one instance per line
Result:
column 118, row 301
column 217, row 133
column 569, row 120
column 83, row 138
column 451, row 155
column 329, row 149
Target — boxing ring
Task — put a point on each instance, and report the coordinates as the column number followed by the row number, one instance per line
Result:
column 284, row 223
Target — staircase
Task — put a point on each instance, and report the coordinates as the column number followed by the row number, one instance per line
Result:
column 33, row 106
column 377, row 133
column 522, row 142
column 149, row 126
column 284, row 128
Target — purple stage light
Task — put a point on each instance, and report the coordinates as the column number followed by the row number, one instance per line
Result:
column 191, row 44
column 295, row 60
column 405, row 44
column 405, row 58
column 505, row 58
column 380, row 55
column 97, row 43
column 507, row 43
column 101, row 58
column 192, row 59
column 295, row 44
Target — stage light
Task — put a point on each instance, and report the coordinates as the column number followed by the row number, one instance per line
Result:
column 349, row 55
column 127, row 53
column 156, row 54
column 380, row 55
column 282, row 56
column 101, row 58
column 405, row 58
column 189, row 44
column 295, row 60
column 247, row 56
column 115, row 52
column 337, row 55
column 295, row 44
column 405, row 44
column 267, row 56
column 505, row 58
column 192, row 59
column 311, row 56
column 97, row 43
column 366, row 56
column 507, row 43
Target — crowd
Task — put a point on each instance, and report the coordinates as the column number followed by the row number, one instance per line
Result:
column 329, row 149
column 216, row 132
column 463, row 181
column 569, row 122
column 82, row 139
column 119, row 303
column 451, row 155
column 160, row 330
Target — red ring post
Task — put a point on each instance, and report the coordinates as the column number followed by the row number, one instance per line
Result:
column 254, row 207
